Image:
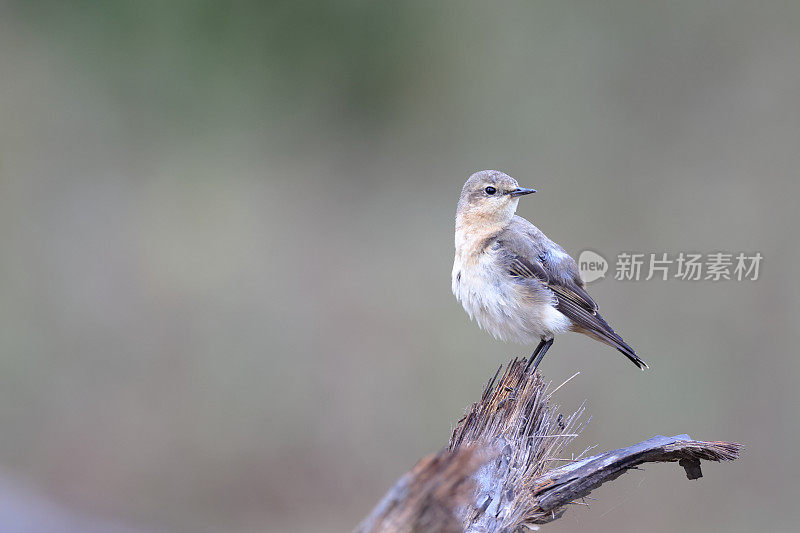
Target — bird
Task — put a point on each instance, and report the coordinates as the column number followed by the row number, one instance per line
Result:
column 513, row 280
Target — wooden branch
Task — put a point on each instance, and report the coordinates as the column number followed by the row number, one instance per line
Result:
column 501, row 470
column 561, row 486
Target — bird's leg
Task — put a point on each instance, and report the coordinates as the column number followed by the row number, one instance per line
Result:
column 538, row 353
column 535, row 353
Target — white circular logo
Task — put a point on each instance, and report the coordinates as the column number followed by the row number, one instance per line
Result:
column 592, row 266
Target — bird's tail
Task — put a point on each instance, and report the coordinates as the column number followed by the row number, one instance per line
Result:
column 589, row 322
column 616, row 341
column 598, row 329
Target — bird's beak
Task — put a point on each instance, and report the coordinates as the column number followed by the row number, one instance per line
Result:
column 521, row 191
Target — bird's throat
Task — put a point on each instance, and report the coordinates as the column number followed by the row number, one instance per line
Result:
column 472, row 239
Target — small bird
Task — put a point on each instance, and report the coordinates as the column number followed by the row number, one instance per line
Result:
column 515, row 282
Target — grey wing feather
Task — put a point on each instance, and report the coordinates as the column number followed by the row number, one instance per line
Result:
column 533, row 255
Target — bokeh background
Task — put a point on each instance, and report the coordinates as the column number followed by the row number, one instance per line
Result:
column 226, row 242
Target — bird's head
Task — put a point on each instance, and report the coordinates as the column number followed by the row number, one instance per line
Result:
column 489, row 198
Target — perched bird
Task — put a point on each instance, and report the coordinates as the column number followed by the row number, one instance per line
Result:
column 519, row 285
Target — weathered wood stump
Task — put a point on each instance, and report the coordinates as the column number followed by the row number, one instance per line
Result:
column 503, row 470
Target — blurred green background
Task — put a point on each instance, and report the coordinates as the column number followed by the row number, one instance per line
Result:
column 226, row 240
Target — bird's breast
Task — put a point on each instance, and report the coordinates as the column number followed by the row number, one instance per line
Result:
column 506, row 307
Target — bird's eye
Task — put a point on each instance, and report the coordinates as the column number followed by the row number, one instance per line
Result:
column 490, row 190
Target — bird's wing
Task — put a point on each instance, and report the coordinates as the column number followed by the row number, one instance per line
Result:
column 530, row 254
column 569, row 288
column 533, row 255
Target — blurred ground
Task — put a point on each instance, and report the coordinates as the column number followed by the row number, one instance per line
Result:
column 226, row 241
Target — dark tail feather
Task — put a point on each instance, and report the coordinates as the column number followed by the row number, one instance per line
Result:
column 593, row 325
column 625, row 350
column 610, row 337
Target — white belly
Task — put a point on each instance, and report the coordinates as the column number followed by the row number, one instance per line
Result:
column 506, row 309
